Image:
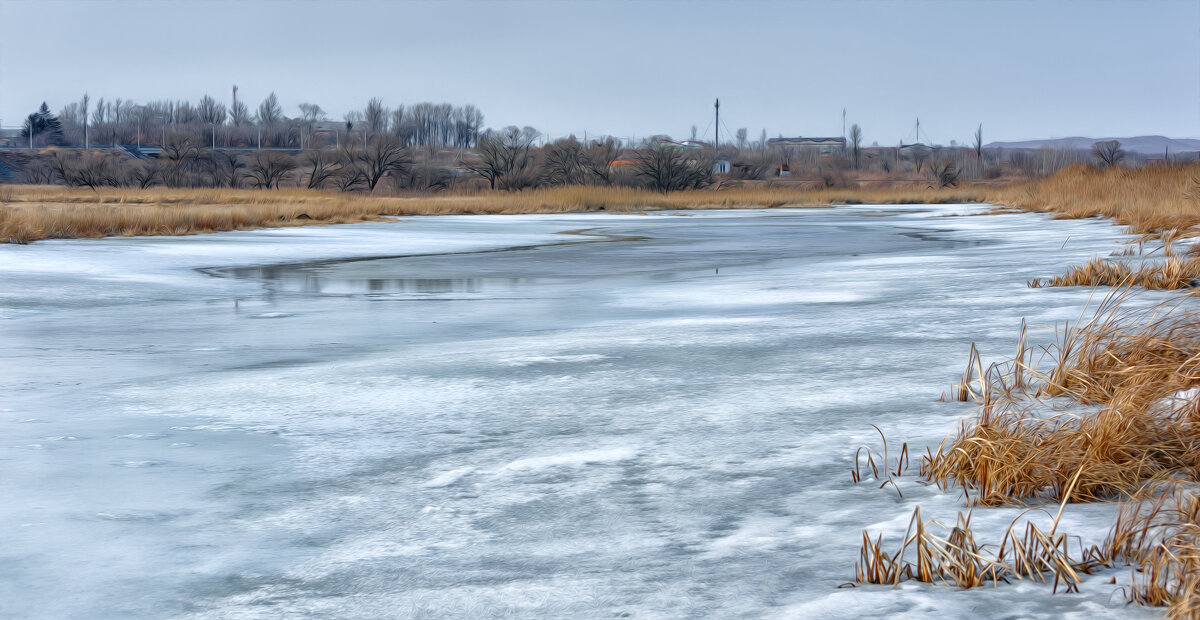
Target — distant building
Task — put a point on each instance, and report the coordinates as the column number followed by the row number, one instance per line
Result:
column 329, row 127
column 826, row 145
column 686, row 145
column 721, row 166
column 10, row 136
column 918, row 150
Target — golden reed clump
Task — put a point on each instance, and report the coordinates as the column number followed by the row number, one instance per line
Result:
column 1133, row 436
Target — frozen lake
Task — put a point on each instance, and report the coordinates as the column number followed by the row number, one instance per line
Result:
column 584, row 416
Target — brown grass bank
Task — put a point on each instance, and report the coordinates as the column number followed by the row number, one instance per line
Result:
column 30, row 213
column 1150, row 200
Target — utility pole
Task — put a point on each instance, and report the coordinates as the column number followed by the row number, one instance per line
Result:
column 717, row 127
column 214, row 137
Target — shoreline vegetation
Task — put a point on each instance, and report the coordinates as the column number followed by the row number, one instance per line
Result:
column 1109, row 413
column 1153, row 201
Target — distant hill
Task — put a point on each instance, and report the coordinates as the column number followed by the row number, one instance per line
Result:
column 1149, row 145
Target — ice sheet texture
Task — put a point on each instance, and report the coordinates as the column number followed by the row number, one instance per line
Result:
column 653, row 416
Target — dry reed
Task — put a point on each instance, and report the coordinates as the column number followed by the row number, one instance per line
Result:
column 1134, row 375
column 31, row 213
column 1149, row 200
column 1130, row 365
column 1171, row 274
column 1160, row 538
column 957, row 559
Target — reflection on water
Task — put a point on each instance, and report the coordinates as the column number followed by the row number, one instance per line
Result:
column 329, row 282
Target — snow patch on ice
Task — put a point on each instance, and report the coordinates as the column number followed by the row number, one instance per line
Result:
column 554, row 359
column 570, row 459
column 448, row 478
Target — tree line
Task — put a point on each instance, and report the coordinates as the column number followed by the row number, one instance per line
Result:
column 89, row 122
column 505, row 159
column 433, row 147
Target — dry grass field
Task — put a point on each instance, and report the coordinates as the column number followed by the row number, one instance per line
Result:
column 1151, row 200
column 30, row 213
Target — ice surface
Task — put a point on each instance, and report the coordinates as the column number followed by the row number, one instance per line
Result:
column 655, row 417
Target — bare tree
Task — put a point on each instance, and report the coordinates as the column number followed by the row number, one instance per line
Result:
column 565, row 162
column 268, row 168
column 376, row 116
column 600, row 157
column 856, row 137
column 239, row 114
column 741, row 138
column 321, row 166
column 144, row 173
column 1109, row 152
column 83, row 116
column 211, row 112
column 269, row 111
column 944, row 173
column 668, row 169
column 503, row 156
column 977, row 145
column 180, row 157
column 380, row 155
column 424, row 176
column 311, row 113
column 226, row 168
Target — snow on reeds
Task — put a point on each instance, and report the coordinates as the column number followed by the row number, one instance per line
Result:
column 1133, row 435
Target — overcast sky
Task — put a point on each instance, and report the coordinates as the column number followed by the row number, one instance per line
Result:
column 1023, row 69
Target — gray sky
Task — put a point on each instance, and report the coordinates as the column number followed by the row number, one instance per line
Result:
column 1023, row 69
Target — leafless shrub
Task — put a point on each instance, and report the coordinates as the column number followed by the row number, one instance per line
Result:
column 320, row 167
column 225, row 167
column 668, row 169
column 1109, row 152
column 504, row 157
column 944, row 173
column 565, row 162
column 382, row 154
column 267, row 169
column 600, row 156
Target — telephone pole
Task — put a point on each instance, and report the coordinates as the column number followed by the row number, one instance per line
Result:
column 717, row 123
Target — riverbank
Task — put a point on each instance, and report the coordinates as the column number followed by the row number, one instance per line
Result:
column 32, row 213
column 1148, row 200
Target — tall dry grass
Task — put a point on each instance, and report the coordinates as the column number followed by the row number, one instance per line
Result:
column 1170, row 274
column 1149, row 200
column 1133, row 435
column 1134, row 369
column 31, row 213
